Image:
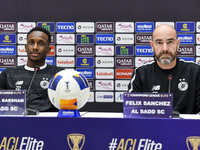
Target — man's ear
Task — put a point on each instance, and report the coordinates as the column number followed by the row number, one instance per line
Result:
column 25, row 47
column 49, row 50
column 151, row 44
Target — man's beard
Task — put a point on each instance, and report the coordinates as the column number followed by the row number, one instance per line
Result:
column 167, row 59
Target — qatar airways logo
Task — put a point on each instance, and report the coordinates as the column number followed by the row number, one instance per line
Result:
column 105, row 27
column 65, row 38
column 185, row 51
column 104, row 50
column 124, row 62
column 7, row 61
column 25, row 26
column 104, row 85
column 124, row 26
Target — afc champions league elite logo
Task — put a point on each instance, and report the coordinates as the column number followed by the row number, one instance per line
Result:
column 193, row 142
column 183, row 86
column 76, row 141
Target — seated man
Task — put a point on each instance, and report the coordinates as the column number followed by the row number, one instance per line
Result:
column 154, row 76
column 19, row 78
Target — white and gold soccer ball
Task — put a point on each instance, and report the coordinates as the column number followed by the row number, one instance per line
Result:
column 68, row 90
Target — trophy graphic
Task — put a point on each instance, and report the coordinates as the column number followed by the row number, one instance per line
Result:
column 193, row 142
column 75, row 141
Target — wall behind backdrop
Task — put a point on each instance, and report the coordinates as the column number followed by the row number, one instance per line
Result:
column 102, row 11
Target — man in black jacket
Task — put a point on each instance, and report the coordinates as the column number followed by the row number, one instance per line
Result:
column 154, row 76
column 19, row 78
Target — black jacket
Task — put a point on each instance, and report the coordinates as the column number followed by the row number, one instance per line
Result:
column 185, row 84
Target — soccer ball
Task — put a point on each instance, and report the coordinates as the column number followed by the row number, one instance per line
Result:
column 68, row 90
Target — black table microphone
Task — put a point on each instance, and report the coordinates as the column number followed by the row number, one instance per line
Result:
column 30, row 111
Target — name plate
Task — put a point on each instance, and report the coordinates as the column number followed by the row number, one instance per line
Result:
column 137, row 105
column 12, row 103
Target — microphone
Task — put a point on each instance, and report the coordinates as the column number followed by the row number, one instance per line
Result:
column 30, row 111
column 169, row 77
column 174, row 112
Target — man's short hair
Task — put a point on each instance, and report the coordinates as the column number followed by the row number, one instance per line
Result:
column 42, row 30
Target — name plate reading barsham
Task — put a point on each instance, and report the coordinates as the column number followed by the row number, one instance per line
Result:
column 12, row 103
column 137, row 105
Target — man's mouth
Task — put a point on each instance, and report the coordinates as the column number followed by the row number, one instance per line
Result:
column 35, row 54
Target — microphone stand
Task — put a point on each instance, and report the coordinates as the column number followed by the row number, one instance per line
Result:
column 30, row 111
column 174, row 112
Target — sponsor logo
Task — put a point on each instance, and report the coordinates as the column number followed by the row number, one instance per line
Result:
column 186, row 38
column 65, row 38
column 104, row 73
column 143, row 38
column 75, row 141
column 145, row 144
column 25, row 26
column 104, row 62
column 193, row 142
column 7, row 50
column 65, row 61
column 123, row 73
column 88, row 73
column 187, row 58
column 85, row 27
column 21, row 50
column 65, row 27
column 104, row 85
column 52, row 39
column 7, row 27
column 91, row 97
column 197, row 26
column 50, row 60
column 104, row 38
column 185, row 26
column 85, row 38
column 143, row 51
column 119, row 97
column 124, row 38
column 91, row 84
column 198, row 60
column 198, row 50
column 7, row 61
column 22, row 61
column 142, row 60
column 50, row 26
column 22, row 38
column 124, row 50
column 124, row 27
column 144, row 26
column 102, row 50
column 26, row 143
column 197, row 38
column 105, row 27
column 185, row 51
column 84, row 62
column 84, row 50
column 7, row 38
column 124, row 62
column 52, row 52
column 121, row 85
column 104, row 97
column 169, row 23
column 2, row 69
column 65, row 50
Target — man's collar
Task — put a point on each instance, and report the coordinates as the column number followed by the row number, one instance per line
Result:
column 32, row 69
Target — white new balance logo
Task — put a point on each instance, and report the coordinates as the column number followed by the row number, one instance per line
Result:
column 155, row 88
column 19, row 82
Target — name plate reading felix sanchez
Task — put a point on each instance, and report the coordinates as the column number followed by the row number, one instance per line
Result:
column 12, row 102
column 137, row 105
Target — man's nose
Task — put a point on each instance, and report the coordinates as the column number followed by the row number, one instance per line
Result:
column 165, row 47
column 35, row 46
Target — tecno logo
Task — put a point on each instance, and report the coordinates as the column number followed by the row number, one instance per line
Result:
column 123, row 73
